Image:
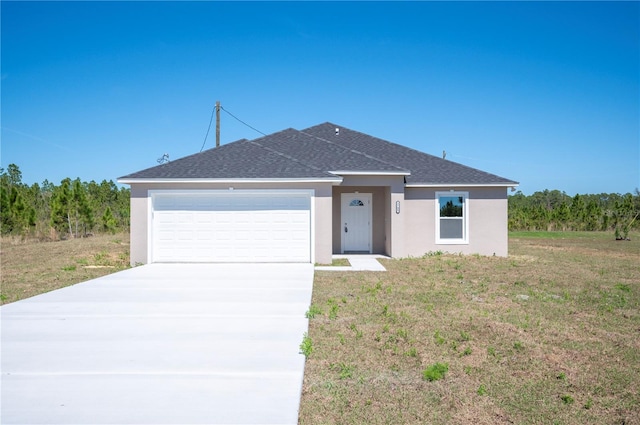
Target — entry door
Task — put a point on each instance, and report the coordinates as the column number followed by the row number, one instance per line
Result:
column 356, row 222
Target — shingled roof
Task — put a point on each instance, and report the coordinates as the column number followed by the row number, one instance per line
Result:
column 318, row 152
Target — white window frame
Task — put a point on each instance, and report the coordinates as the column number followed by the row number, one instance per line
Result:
column 465, row 218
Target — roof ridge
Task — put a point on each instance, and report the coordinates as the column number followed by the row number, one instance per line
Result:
column 284, row 155
column 390, row 142
column 353, row 150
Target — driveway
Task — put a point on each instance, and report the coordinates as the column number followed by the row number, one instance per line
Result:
column 160, row 344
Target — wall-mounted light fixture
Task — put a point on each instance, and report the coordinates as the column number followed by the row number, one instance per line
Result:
column 397, row 207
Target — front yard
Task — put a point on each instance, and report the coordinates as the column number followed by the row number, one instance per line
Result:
column 548, row 335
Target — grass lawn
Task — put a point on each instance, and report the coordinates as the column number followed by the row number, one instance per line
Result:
column 31, row 268
column 549, row 335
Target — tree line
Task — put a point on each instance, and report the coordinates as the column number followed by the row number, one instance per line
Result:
column 71, row 209
column 75, row 209
column 554, row 210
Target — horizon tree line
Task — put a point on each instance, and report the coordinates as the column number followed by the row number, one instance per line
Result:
column 552, row 210
column 69, row 210
column 75, row 209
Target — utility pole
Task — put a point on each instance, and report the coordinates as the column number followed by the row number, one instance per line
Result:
column 217, row 124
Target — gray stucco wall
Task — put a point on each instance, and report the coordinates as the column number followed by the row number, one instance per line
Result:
column 488, row 222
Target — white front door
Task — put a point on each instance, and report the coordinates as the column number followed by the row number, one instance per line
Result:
column 356, row 222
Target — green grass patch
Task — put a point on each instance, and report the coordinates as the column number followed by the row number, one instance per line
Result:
column 313, row 311
column 306, row 346
column 561, row 235
column 435, row 371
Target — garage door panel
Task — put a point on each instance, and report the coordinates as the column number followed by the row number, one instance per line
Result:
column 201, row 217
column 214, row 227
column 223, row 218
column 261, row 235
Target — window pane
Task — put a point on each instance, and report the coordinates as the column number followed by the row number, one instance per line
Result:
column 451, row 228
column 451, row 206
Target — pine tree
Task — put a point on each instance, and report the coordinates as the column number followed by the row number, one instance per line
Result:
column 80, row 208
column 61, row 207
column 592, row 216
column 624, row 216
column 109, row 223
column 578, row 211
column 17, row 215
column 5, row 210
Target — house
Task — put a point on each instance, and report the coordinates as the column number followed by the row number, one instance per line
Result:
column 303, row 195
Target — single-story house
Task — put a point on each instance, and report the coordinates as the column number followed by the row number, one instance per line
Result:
column 304, row 195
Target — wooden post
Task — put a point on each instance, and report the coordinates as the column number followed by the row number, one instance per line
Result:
column 217, row 124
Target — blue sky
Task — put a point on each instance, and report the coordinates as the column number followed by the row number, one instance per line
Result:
column 544, row 93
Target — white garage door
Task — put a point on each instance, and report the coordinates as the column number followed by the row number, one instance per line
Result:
column 231, row 226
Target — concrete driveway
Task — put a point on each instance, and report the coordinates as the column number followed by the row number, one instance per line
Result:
column 160, row 344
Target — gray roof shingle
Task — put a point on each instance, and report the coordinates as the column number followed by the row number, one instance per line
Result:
column 242, row 159
column 425, row 169
column 314, row 153
column 323, row 154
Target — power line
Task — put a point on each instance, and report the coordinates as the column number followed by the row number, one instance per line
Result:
column 238, row 119
column 215, row 108
column 209, row 128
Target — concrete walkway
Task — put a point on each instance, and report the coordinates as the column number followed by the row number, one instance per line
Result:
column 359, row 262
column 160, row 344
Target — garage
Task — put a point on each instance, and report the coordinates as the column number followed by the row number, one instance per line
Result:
column 230, row 226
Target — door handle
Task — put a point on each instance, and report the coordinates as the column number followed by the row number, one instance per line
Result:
column 346, row 230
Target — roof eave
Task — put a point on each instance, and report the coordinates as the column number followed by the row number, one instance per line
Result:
column 447, row 185
column 370, row 173
column 148, row 180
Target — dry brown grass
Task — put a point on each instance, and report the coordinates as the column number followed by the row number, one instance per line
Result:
column 31, row 268
column 548, row 335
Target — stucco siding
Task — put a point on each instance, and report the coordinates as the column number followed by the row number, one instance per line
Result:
column 387, row 221
column 323, row 224
column 139, row 223
column 397, row 220
column 487, row 215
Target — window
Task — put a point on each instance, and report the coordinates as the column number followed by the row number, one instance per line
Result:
column 452, row 224
column 356, row 203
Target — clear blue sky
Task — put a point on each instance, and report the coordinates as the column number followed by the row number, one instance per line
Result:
column 545, row 93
